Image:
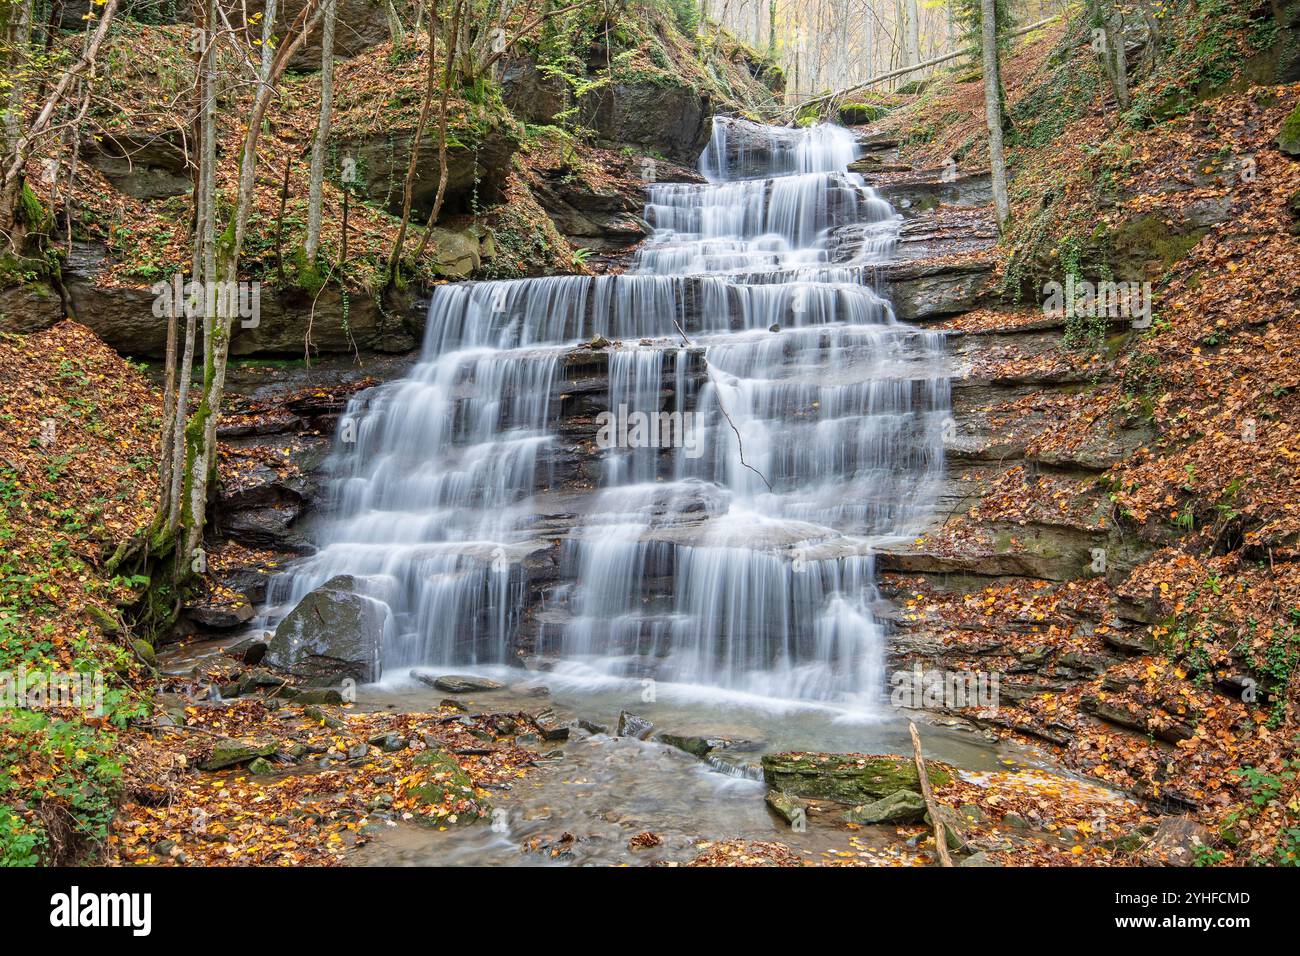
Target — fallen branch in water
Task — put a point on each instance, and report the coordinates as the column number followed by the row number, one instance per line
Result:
column 940, row 835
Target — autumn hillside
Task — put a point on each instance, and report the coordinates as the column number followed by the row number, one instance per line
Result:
column 1194, row 190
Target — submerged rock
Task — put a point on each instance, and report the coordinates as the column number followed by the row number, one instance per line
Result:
column 456, row 683
column 695, row 746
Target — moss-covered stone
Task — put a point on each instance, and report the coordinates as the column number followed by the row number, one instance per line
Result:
column 443, row 782
column 229, row 753
column 901, row 806
column 845, row 778
column 785, row 806
column 695, row 746
column 144, row 651
column 261, row 767
column 856, row 114
column 1288, row 137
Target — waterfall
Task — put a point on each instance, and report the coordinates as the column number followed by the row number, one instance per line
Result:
column 722, row 533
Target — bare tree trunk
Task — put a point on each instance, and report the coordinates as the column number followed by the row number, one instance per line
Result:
column 431, row 72
column 268, row 37
column 1116, row 23
column 993, row 110
column 396, row 32
column 316, row 185
column 452, row 34
column 913, row 35
column 221, row 271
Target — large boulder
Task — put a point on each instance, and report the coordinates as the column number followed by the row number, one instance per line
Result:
column 752, row 149
column 334, row 632
column 477, row 168
column 672, row 119
column 144, row 164
column 845, row 778
column 361, row 24
column 533, row 96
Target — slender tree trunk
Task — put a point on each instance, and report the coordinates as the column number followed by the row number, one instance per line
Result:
column 268, row 40
column 220, row 274
column 452, row 35
column 1119, row 56
column 430, row 82
column 913, row 34
column 993, row 111
column 316, row 185
column 771, row 28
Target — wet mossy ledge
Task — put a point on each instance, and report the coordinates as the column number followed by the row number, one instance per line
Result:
column 846, row 778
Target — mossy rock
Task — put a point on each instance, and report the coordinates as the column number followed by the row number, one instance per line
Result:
column 901, row 806
column 229, row 753
column 1138, row 244
column 1288, row 137
column 695, row 746
column 445, row 782
column 785, row 806
column 857, row 114
column 261, row 767
column 144, row 651
column 845, row 778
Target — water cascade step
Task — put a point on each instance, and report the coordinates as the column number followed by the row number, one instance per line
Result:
column 695, row 502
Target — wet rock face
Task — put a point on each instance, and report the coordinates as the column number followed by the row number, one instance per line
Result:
column 335, row 632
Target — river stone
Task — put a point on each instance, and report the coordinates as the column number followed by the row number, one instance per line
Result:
column 695, row 746
column 786, row 807
column 456, row 683
column 844, row 778
column 334, row 632
column 901, row 806
column 630, row 725
column 229, row 752
column 444, row 782
column 1288, row 137
column 550, row 726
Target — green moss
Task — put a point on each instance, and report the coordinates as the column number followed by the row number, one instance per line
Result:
column 445, row 783
column 31, row 211
column 856, row 114
column 1288, row 137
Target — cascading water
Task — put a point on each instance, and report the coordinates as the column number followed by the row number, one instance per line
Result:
column 796, row 423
